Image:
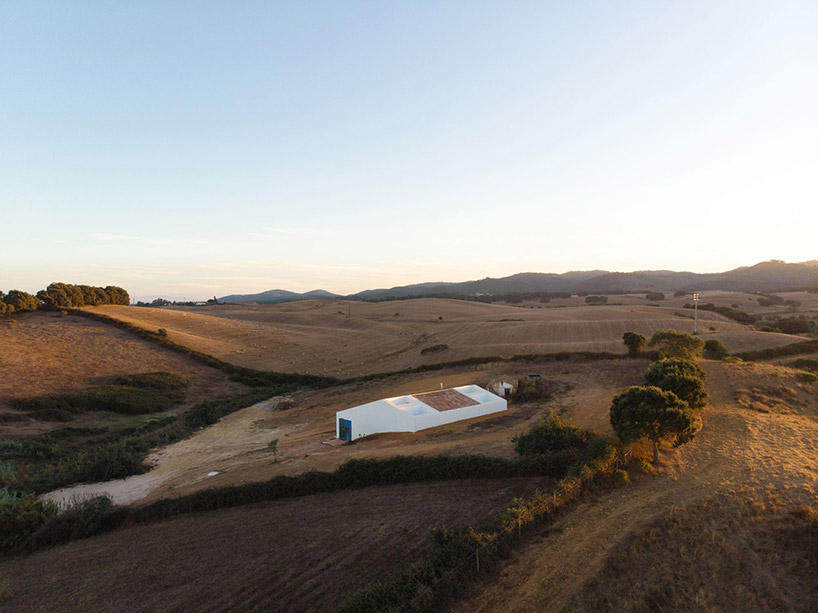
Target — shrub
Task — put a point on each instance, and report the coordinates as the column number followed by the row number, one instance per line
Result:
column 655, row 296
column 549, row 435
column 20, row 516
column 646, row 467
column 596, row 299
column 634, row 342
column 434, row 349
column 125, row 399
column 806, row 377
column 162, row 333
column 621, row 476
column 155, row 380
column 673, row 344
column 810, row 364
column 532, row 390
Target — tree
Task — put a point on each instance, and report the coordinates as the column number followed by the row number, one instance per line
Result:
column 682, row 377
column 649, row 412
column 715, row 349
column 634, row 342
column 21, row 301
column 673, row 344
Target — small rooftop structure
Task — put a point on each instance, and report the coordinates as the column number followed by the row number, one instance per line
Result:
column 417, row 411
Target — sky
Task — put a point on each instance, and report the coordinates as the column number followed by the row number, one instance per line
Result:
column 192, row 149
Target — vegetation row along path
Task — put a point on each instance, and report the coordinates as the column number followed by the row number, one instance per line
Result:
column 738, row 450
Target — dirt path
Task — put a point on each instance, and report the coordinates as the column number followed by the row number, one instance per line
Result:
column 194, row 462
column 736, row 448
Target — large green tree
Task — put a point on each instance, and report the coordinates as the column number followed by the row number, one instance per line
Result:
column 673, row 344
column 682, row 377
column 21, row 301
column 653, row 413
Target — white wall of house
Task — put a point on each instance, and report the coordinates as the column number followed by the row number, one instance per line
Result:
column 408, row 414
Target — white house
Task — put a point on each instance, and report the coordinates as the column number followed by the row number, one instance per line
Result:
column 502, row 388
column 416, row 412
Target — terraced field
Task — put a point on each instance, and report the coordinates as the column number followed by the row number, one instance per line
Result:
column 319, row 337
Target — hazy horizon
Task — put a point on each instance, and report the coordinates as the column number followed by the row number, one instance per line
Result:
column 186, row 150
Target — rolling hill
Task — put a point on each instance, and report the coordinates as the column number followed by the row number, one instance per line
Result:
column 770, row 276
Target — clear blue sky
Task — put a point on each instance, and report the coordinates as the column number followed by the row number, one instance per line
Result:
column 188, row 149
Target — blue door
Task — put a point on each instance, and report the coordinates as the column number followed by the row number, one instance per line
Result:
column 344, row 429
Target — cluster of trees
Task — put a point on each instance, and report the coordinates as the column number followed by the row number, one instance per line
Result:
column 59, row 295
column 17, row 300
column 665, row 407
column 596, row 300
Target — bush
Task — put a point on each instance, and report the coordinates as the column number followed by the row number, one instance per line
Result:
column 123, row 399
column 673, row 344
column 646, row 467
column 634, row 342
column 20, row 516
column 549, row 435
column 155, row 380
column 532, row 390
column 621, row 477
column 655, row 296
column 434, row 349
column 714, row 349
column 596, row 299
column 162, row 333
column 810, row 364
column 806, row 377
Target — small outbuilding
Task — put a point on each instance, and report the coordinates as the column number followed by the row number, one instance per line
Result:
column 502, row 388
column 417, row 411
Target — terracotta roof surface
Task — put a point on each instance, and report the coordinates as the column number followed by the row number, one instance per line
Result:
column 446, row 400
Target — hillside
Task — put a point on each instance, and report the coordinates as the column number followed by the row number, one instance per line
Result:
column 349, row 339
column 715, row 530
column 763, row 277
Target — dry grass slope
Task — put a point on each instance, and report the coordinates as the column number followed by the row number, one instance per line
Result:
column 317, row 337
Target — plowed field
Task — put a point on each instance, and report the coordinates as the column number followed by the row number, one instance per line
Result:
column 301, row 554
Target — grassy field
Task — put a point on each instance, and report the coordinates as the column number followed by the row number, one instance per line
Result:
column 318, row 337
column 730, row 505
column 45, row 353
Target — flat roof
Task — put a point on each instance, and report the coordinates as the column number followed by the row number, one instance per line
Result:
column 445, row 400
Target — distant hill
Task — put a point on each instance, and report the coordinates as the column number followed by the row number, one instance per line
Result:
column 770, row 276
column 277, row 295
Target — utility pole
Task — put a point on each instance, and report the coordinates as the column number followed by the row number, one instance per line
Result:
column 695, row 313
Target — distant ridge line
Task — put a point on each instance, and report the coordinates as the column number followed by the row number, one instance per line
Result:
column 770, row 276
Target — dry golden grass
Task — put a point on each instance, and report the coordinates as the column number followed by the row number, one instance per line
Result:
column 717, row 528
column 44, row 353
column 317, row 337
column 748, row 551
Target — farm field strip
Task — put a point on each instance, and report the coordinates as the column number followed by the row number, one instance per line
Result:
column 316, row 337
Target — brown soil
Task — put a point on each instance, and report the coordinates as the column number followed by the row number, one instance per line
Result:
column 44, row 353
column 608, row 553
column 317, row 337
column 302, row 554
